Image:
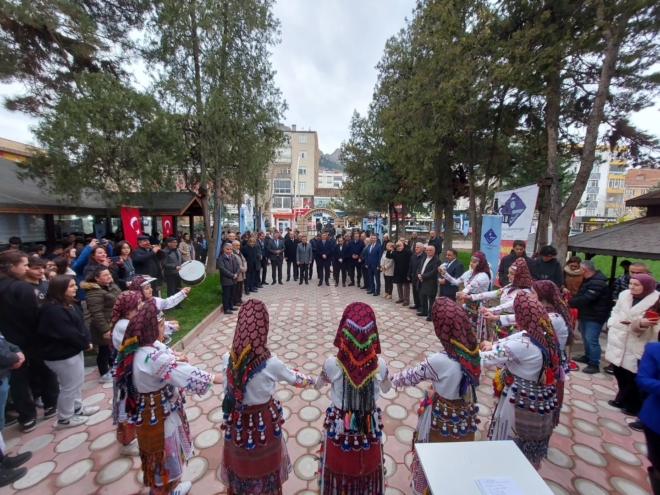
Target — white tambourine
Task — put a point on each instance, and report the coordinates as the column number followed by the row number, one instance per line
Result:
column 192, row 272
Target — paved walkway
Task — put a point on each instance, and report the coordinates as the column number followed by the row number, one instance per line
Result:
column 592, row 451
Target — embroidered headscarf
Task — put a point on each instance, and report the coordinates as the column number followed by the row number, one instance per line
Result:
column 549, row 292
column 648, row 284
column 124, row 304
column 522, row 278
column 482, row 266
column 532, row 317
column 452, row 327
column 358, row 344
column 142, row 331
column 249, row 352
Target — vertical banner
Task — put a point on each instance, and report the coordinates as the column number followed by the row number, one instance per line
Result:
column 491, row 237
column 241, row 220
column 99, row 230
column 379, row 228
column 166, row 224
column 218, row 232
column 262, row 223
column 130, row 222
column 365, row 223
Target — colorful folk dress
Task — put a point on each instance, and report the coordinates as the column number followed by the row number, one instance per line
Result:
column 474, row 283
column 351, row 454
column 162, row 428
column 506, row 295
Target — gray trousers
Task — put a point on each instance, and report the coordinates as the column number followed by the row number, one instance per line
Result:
column 71, row 375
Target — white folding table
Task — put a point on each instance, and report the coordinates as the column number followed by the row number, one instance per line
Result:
column 451, row 468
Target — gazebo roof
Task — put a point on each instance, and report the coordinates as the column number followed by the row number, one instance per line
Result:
column 639, row 238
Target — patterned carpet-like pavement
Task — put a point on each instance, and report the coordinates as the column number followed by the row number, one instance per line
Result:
column 592, row 451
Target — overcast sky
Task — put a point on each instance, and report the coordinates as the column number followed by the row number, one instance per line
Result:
column 325, row 65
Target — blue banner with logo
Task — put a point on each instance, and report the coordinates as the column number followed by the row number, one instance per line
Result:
column 241, row 220
column 365, row 222
column 491, row 238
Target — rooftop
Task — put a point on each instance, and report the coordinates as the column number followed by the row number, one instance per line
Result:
column 17, row 148
column 642, row 177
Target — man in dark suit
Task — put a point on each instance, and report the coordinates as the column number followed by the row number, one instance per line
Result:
column 427, row 275
column 415, row 262
column 414, row 239
column 228, row 266
column 323, row 259
column 276, row 254
column 313, row 243
column 374, row 253
column 454, row 268
column 290, row 248
column 362, row 259
column 304, row 259
column 146, row 261
column 436, row 242
column 263, row 258
column 355, row 247
column 340, row 261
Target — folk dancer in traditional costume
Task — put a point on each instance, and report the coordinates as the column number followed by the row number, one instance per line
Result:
column 475, row 281
column 143, row 286
column 126, row 306
column 448, row 412
column 351, row 460
column 153, row 381
column 549, row 295
column 254, row 457
column 525, row 384
column 521, row 281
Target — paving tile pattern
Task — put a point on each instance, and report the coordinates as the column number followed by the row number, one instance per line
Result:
column 592, row 451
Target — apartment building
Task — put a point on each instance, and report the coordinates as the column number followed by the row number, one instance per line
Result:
column 603, row 198
column 639, row 181
column 15, row 151
column 328, row 186
column 293, row 177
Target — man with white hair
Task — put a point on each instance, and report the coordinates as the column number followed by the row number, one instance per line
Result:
column 415, row 264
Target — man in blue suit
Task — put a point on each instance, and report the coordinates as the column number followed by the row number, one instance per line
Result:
column 355, row 247
column 372, row 262
column 324, row 250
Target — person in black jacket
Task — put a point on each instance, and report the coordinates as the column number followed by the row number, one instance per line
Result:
column 251, row 254
column 171, row 266
column 518, row 251
column 427, row 274
column 146, row 261
column 18, row 314
column 401, row 256
column 340, row 262
column 276, row 255
column 355, row 247
column 547, row 266
column 290, row 247
column 436, row 242
column 324, row 250
column 63, row 338
column 415, row 262
column 593, row 304
column 455, row 269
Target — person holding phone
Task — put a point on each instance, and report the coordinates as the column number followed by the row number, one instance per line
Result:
column 630, row 329
column 98, row 256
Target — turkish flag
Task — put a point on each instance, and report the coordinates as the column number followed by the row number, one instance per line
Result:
column 130, row 221
column 166, row 222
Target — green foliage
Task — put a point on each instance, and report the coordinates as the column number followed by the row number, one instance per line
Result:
column 106, row 138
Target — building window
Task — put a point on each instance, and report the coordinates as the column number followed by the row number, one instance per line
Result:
column 591, row 197
column 639, row 177
column 281, row 186
column 302, row 139
column 284, row 171
column 592, row 183
column 590, row 212
column 320, row 185
column 279, row 203
column 303, row 186
column 616, row 183
column 302, row 171
column 303, row 154
column 618, row 169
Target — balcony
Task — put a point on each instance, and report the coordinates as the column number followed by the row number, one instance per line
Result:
column 283, row 155
column 283, row 175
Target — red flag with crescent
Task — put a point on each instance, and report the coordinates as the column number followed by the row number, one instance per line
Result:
column 130, row 221
column 166, row 223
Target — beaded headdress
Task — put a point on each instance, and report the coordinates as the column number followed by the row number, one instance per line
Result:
column 522, row 278
column 482, row 263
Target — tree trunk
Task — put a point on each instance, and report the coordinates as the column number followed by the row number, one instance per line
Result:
column 561, row 215
column 449, row 224
column 472, row 191
column 439, row 213
column 544, row 219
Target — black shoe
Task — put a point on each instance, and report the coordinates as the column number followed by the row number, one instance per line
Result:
column 229, row 312
column 28, row 426
column 306, row 283
column 295, row 279
column 616, row 404
column 351, row 284
column 327, row 283
column 414, row 306
column 10, row 419
column 336, row 284
column 280, row 282
column 247, row 292
column 9, row 476
column 628, row 412
column 260, row 286
column 264, row 283
column 49, row 412
column 12, row 462
column 320, row 284
column 428, row 318
column 344, row 284
column 300, row 283
column 376, row 294
column 581, row 359
column 370, row 292
column 636, row 425
column 234, row 308
column 288, row 278
column 609, row 369
column 591, row 369
column 420, row 313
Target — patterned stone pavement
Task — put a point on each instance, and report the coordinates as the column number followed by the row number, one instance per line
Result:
column 592, row 451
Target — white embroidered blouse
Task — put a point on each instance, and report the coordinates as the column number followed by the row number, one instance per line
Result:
column 521, row 357
column 506, row 294
column 558, row 324
column 334, row 375
column 439, row 368
column 472, row 285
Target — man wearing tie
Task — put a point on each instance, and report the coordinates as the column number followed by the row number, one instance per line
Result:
column 263, row 245
column 276, row 252
column 428, row 282
column 340, row 261
column 374, row 253
column 304, row 259
column 355, row 247
column 323, row 259
column 290, row 249
column 454, row 268
column 229, row 269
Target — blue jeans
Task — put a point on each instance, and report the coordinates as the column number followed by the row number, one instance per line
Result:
column 590, row 331
column 374, row 279
column 4, row 391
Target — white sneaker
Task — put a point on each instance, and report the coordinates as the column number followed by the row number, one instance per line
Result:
column 107, row 378
column 72, row 422
column 88, row 410
column 182, row 488
column 130, row 450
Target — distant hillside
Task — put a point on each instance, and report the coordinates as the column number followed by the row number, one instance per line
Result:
column 331, row 162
